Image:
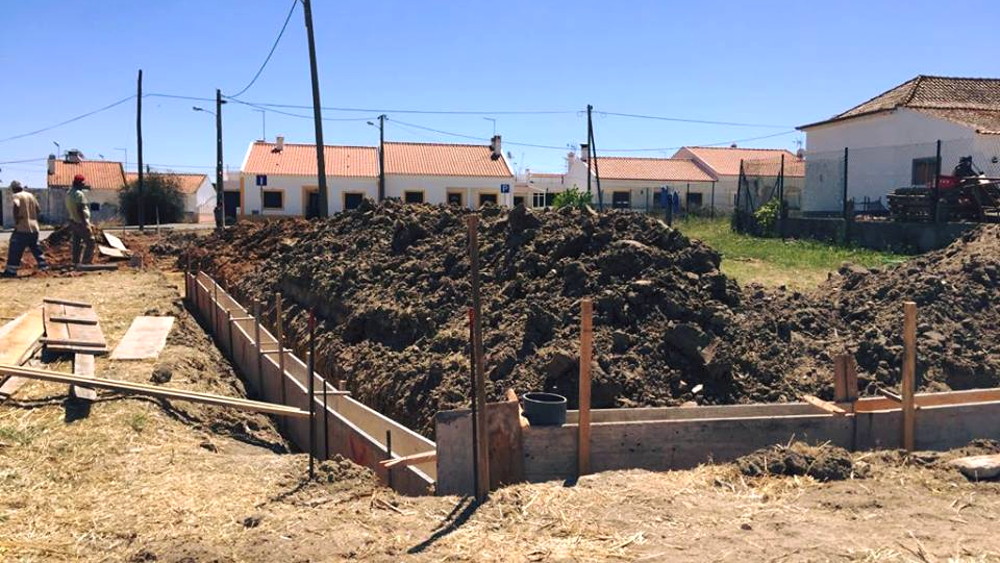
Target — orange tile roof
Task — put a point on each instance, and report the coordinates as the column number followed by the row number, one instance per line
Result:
column 658, row 169
column 440, row 159
column 725, row 161
column 188, row 183
column 100, row 174
column 300, row 160
column 971, row 101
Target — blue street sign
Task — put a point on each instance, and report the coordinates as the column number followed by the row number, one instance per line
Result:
column 505, row 188
column 261, row 179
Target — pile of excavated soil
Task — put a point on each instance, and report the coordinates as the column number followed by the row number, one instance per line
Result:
column 390, row 285
column 823, row 463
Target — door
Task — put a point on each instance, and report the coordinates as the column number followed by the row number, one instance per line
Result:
column 621, row 200
column 231, row 204
column 312, row 205
column 487, row 198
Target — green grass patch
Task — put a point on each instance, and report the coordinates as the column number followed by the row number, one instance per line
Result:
column 21, row 436
column 798, row 264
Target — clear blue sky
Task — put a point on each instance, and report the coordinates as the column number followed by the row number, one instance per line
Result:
column 780, row 63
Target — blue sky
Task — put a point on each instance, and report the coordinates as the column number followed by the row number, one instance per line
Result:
column 773, row 63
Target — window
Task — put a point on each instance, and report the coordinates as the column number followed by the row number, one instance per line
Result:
column 539, row 199
column 924, row 170
column 518, row 200
column 95, row 206
column 621, row 200
column 455, row 198
column 274, row 199
column 413, row 197
column 694, row 200
column 353, row 200
column 487, row 198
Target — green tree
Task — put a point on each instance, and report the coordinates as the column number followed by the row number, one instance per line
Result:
column 161, row 193
column 572, row 197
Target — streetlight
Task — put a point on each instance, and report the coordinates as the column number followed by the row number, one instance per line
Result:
column 263, row 124
column 125, row 150
column 381, row 156
column 58, row 149
column 220, row 214
column 494, row 124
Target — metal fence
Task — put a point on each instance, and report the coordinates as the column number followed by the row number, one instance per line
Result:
column 777, row 181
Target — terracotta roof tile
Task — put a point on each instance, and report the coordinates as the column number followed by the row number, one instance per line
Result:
column 658, row 169
column 188, row 183
column 725, row 161
column 300, row 160
column 440, row 159
column 978, row 97
column 100, row 174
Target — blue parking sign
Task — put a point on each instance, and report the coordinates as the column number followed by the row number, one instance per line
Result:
column 505, row 188
column 261, row 179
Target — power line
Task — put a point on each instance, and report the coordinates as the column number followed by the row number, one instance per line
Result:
column 271, row 52
column 68, row 121
column 716, row 144
column 263, row 108
column 23, row 161
column 701, row 121
column 427, row 112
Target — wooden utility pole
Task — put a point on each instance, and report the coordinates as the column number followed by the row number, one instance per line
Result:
column 586, row 351
column 381, row 157
column 324, row 209
column 220, row 215
column 482, row 442
column 138, row 136
column 909, row 374
column 592, row 159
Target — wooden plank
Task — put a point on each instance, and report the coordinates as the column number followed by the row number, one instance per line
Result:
column 96, row 267
column 478, row 365
column 453, row 430
column 825, row 406
column 114, row 241
column 83, row 366
column 851, row 377
column 924, row 400
column 409, row 460
column 66, row 302
column 145, row 338
column 76, row 320
column 506, row 451
column 69, row 342
column 143, row 389
column 909, row 373
column 586, row 349
column 112, row 252
column 20, row 335
column 840, row 378
column 978, row 467
column 649, row 414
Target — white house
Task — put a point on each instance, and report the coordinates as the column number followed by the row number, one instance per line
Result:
column 279, row 179
column 892, row 139
column 723, row 164
column 634, row 183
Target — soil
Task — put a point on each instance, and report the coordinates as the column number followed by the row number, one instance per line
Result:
column 823, row 462
column 390, row 287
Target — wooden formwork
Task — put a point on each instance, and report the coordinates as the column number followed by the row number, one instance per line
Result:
column 354, row 431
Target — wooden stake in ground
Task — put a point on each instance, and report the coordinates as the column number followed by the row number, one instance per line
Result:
column 909, row 374
column 586, row 350
column 482, row 441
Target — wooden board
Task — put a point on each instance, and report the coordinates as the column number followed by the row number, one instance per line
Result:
column 114, row 241
column 18, row 341
column 83, row 366
column 144, row 339
column 66, row 335
column 112, row 252
column 453, row 430
column 979, row 466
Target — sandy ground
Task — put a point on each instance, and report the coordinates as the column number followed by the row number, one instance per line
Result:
column 145, row 480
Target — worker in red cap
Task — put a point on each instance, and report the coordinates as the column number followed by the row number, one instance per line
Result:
column 78, row 210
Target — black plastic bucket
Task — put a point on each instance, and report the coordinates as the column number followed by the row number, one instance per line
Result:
column 544, row 409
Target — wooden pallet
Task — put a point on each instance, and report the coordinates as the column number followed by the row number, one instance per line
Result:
column 72, row 327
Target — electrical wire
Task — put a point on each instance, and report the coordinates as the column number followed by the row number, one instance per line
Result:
column 23, row 161
column 262, row 108
column 701, row 121
column 68, row 121
column 427, row 112
column 716, row 144
column 270, row 53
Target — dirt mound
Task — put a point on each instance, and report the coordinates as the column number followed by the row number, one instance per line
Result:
column 823, row 463
column 787, row 340
column 390, row 284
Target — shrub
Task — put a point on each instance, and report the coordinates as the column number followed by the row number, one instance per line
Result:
column 572, row 197
column 161, row 193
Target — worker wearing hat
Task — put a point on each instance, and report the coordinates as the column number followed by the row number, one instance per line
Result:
column 78, row 210
column 25, row 235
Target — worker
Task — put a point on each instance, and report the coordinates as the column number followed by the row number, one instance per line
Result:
column 78, row 209
column 25, row 235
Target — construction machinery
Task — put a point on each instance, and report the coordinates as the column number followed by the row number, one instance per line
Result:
column 967, row 195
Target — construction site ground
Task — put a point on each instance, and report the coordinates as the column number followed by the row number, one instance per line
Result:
column 146, row 480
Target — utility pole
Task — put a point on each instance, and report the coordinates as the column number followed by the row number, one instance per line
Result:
column 138, row 136
column 592, row 158
column 220, row 214
column 381, row 157
column 590, row 128
column 324, row 209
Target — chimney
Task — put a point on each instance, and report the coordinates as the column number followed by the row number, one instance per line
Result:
column 52, row 164
column 584, row 152
column 279, row 144
column 495, row 147
column 732, row 146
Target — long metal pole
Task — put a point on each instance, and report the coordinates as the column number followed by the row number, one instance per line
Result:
column 219, row 197
column 138, row 137
column 324, row 209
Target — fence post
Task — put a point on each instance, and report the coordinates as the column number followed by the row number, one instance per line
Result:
column 781, row 198
column 846, row 210
column 712, row 211
column 937, row 186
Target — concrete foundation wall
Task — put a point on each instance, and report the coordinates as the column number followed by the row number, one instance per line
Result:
column 878, row 235
column 347, row 427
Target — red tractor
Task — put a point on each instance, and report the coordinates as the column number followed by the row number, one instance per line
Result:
column 966, row 195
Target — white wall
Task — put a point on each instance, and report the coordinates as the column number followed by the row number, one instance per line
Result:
column 436, row 188
column 882, row 148
column 200, row 205
column 292, row 186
